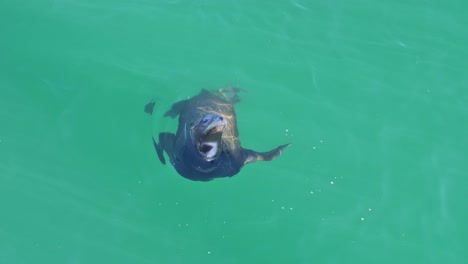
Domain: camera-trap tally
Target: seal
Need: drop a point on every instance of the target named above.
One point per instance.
(206, 144)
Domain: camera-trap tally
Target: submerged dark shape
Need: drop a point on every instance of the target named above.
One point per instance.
(149, 107)
(206, 144)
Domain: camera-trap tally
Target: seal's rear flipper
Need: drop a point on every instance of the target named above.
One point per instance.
(253, 156)
(231, 93)
(166, 143)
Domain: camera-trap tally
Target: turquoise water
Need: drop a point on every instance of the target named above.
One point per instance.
(371, 94)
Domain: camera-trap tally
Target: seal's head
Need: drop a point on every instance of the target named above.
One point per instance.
(206, 135)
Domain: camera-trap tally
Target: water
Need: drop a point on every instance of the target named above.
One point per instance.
(371, 94)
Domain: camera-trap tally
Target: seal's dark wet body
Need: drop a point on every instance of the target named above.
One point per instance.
(206, 143)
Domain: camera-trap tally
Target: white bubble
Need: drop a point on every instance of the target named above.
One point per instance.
(209, 252)
(362, 218)
(290, 208)
(332, 182)
(399, 42)
(370, 209)
(282, 207)
(311, 192)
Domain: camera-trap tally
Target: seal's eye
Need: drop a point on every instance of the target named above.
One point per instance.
(205, 120)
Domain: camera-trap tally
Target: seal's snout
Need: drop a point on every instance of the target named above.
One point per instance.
(212, 124)
(207, 136)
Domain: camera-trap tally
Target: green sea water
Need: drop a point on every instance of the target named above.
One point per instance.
(372, 95)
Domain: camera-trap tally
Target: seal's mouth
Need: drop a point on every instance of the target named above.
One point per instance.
(207, 136)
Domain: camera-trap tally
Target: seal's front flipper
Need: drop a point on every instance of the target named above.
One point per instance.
(253, 156)
(176, 109)
(166, 143)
